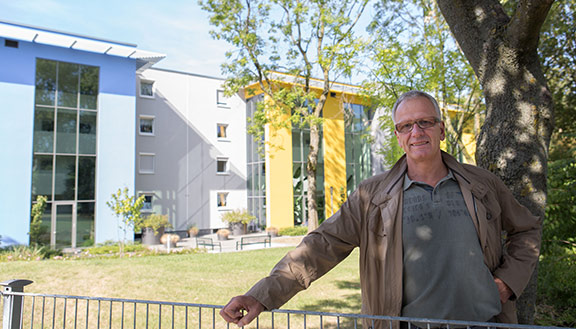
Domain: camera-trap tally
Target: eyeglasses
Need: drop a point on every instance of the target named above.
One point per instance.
(407, 126)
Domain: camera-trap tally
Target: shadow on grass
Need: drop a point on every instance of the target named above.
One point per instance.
(349, 303)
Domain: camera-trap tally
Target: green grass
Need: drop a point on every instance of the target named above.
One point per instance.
(192, 278)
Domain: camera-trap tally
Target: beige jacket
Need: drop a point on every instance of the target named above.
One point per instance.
(371, 219)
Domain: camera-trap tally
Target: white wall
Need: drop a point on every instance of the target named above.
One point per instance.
(186, 148)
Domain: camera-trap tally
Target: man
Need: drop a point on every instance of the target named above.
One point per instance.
(429, 232)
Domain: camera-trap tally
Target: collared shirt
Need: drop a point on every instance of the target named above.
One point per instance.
(444, 272)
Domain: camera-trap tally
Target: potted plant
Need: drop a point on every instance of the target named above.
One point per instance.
(193, 230)
(223, 234)
(238, 219)
(170, 239)
(153, 227)
(273, 231)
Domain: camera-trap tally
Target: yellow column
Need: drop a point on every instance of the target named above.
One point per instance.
(279, 192)
(334, 155)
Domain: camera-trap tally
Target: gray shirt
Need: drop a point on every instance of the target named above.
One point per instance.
(444, 272)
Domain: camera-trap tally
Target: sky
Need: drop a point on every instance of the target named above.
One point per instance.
(177, 28)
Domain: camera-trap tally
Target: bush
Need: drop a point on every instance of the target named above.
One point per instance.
(27, 253)
(114, 249)
(293, 231)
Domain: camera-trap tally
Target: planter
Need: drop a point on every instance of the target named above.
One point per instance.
(148, 236)
(238, 229)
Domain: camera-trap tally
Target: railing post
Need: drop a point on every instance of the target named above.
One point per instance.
(12, 318)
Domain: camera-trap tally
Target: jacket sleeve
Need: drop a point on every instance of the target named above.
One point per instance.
(317, 254)
(522, 246)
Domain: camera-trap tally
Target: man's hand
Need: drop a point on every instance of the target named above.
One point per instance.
(504, 290)
(232, 312)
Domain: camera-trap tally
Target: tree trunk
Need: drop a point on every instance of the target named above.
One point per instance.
(514, 139)
(311, 171)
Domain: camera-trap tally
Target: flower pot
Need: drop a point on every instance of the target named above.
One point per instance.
(238, 229)
(151, 238)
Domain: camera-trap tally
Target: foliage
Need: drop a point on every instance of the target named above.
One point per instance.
(238, 216)
(293, 231)
(28, 253)
(127, 207)
(302, 39)
(557, 269)
(413, 49)
(154, 221)
(113, 248)
(37, 230)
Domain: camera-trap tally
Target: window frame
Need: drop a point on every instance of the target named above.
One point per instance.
(146, 172)
(221, 99)
(146, 81)
(147, 117)
(151, 195)
(226, 201)
(226, 161)
(226, 137)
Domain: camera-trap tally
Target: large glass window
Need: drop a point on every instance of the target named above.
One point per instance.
(256, 169)
(64, 160)
(358, 165)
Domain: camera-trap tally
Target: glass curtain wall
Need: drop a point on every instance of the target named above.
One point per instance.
(64, 159)
(256, 170)
(358, 165)
(300, 150)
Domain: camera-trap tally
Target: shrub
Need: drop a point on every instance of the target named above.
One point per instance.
(293, 231)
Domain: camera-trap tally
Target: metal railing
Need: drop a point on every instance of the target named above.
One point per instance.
(25, 310)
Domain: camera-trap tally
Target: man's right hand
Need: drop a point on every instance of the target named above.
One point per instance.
(233, 311)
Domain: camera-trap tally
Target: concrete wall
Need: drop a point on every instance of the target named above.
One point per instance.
(185, 147)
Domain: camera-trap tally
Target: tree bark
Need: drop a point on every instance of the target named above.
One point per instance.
(514, 139)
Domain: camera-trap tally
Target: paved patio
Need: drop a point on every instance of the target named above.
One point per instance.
(230, 244)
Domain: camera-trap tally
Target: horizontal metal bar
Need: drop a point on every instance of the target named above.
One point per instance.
(306, 314)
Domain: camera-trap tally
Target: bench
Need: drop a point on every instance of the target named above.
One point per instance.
(255, 239)
(208, 242)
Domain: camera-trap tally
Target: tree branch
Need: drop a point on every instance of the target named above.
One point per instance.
(524, 28)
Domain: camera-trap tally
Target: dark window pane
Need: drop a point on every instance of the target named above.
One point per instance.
(45, 82)
(64, 182)
(86, 170)
(44, 130)
(66, 131)
(87, 131)
(42, 176)
(68, 84)
(64, 219)
(85, 224)
(89, 87)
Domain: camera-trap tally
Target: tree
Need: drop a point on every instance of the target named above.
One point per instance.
(501, 46)
(557, 268)
(301, 38)
(38, 231)
(127, 207)
(413, 49)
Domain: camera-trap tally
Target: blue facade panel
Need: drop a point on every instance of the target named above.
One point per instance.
(115, 136)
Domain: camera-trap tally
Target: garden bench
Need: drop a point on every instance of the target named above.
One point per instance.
(208, 242)
(264, 239)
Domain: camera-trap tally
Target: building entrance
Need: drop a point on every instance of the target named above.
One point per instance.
(63, 230)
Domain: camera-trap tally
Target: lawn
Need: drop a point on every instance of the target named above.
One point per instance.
(192, 278)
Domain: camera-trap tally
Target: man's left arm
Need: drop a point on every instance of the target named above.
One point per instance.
(522, 247)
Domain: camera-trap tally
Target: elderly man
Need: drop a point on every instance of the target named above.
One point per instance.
(429, 232)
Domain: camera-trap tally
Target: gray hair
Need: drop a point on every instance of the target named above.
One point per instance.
(415, 94)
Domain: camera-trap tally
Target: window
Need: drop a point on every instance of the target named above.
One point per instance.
(146, 125)
(146, 163)
(222, 131)
(221, 99)
(222, 165)
(147, 88)
(222, 199)
(147, 205)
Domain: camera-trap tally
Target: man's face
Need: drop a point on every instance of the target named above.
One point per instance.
(419, 144)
